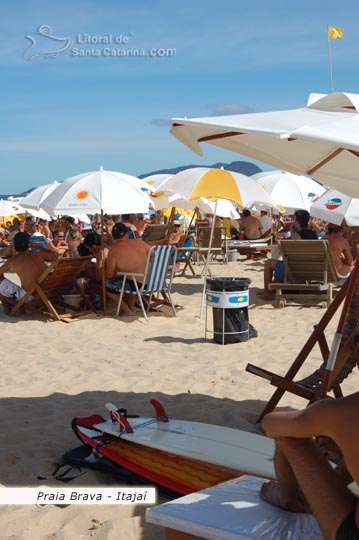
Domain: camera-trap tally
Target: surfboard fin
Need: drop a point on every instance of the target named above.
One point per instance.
(117, 416)
(160, 411)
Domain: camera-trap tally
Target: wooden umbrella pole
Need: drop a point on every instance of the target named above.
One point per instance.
(340, 328)
(103, 270)
(208, 259)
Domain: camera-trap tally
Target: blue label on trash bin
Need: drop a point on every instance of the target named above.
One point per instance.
(224, 299)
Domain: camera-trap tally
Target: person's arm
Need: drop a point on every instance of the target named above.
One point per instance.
(348, 258)
(110, 265)
(343, 474)
(5, 268)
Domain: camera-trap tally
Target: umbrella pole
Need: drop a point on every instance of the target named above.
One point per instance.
(338, 335)
(208, 259)
(103, 275)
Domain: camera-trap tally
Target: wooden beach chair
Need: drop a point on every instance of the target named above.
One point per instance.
(348, 357)
(309, 273)
(156, 279)
(155, 234)
(45, 296)
(218, 247)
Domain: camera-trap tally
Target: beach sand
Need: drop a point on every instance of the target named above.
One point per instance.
(52, 372)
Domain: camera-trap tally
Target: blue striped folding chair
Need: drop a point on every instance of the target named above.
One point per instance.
(157, 278)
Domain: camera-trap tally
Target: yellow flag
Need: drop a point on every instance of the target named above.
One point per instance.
(334, 32)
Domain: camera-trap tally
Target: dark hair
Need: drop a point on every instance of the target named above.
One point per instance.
(21, 241)
(332, 228)
(302, 216)
(246, 213)
(83, 250)
(119, 230)
(92, 239)
(126, 217)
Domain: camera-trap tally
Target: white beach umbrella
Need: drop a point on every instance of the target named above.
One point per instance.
(8, 207)
(290, 191)
(154, 180)
(33, 200)
(98, 191)
(320, 140)
(334, 207)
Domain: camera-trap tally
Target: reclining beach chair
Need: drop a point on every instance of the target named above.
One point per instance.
(219, 244)
(157, 278)
(47, 292)
(309, 273)
(155, 234)
(348, 357)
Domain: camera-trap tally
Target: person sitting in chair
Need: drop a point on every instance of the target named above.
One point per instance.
(126, 256)
(340, 249)
(250, 225)
(274, 268)
(306, 482)
(27, 264)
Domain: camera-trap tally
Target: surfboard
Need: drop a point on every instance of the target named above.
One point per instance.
(178, 454)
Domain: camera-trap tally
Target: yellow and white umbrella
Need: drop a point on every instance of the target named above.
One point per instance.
(217, 184)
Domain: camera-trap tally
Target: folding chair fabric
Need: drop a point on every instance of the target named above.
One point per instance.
(160, 262)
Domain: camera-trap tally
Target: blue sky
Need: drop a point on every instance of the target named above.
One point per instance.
(70, 114)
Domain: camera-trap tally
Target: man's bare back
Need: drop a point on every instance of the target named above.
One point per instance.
(251, 226)
(127, 256)
(341, 252)
(27, 264)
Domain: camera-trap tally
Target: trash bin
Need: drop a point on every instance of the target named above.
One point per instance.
(229, 299)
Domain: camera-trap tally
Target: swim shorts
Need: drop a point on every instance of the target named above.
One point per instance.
(279, 271)
(348, 530)
(11, 290)
(114, 285)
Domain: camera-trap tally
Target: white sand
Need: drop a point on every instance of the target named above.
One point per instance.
(52, 371)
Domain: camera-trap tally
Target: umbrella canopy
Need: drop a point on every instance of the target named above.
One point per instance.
(34, 199)
(290, 191)
(333, 206)
(219, 184)
(108, 191)
(225, 208)
(8, 208)
(320, 140)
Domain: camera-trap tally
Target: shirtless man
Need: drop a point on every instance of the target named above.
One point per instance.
(340, 250)
(251, 226)
(304, 476)
(125, 255)
(27, 264)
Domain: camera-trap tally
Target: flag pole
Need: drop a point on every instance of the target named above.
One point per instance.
(330, 61)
